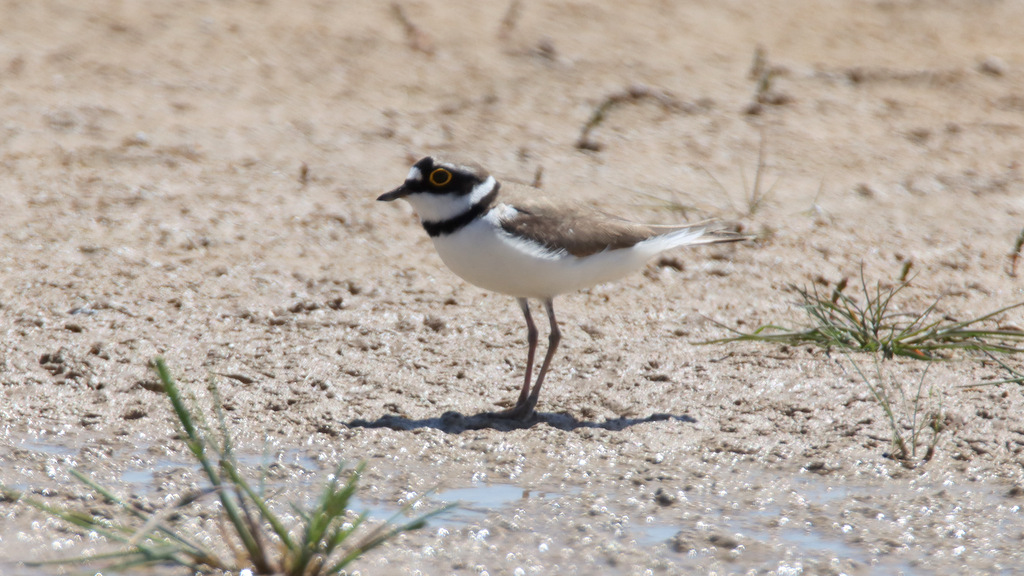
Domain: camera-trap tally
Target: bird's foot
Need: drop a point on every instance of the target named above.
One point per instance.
(521, 411)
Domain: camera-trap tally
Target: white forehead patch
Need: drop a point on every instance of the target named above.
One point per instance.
(460, 168)
(414, 174)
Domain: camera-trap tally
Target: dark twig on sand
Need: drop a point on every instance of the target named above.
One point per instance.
(763, 73)
(634, 93)
(417, 39)
(510, 19)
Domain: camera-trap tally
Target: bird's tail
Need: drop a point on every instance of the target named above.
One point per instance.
(710, 232)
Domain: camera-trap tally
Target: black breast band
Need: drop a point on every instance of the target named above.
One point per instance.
(451, 225)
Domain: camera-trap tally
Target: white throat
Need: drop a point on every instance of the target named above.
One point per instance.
(441, 207)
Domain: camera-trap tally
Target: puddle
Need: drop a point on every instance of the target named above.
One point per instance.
(814, 540)
(47, 448)
(656, 533)
(287, 457)
(484, 497)
(476, 502)
(756, 505)
(762, 528)
(143, 479)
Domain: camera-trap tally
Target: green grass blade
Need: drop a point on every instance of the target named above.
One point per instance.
(193, 548)
(1016, 376)
(331, 506)
(197, 445)
(102, 526)
(138, 554)
(341, 534)
(382, 535)
(261, 504)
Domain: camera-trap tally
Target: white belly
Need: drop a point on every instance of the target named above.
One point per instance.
(484, 255)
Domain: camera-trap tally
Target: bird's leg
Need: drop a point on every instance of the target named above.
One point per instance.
(531, 341)
(553, 338)
(523, 408)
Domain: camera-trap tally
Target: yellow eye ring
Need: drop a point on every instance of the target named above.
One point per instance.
(440, 177)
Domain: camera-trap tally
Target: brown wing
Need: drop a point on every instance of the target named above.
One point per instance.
(574, 229)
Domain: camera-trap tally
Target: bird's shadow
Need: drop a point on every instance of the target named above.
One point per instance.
(456, 423)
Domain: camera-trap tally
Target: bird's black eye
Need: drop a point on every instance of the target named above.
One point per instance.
(440, 177)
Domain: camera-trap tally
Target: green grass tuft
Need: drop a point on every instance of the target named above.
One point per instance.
(257, 539)
(915, 416)
(870, 322)
(873, 325)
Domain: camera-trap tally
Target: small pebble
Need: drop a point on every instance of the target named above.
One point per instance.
(992, 66)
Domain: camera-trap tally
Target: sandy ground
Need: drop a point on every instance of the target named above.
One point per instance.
(197, 180)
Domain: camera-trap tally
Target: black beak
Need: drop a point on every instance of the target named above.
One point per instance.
(395, 194)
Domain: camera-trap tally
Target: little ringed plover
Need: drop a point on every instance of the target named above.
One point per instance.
(534, 248)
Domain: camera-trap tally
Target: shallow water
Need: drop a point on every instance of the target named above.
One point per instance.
(746, 516)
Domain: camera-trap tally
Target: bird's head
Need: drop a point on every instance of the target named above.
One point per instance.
(441, 190)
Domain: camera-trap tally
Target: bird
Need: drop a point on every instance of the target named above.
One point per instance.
(533, 247)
